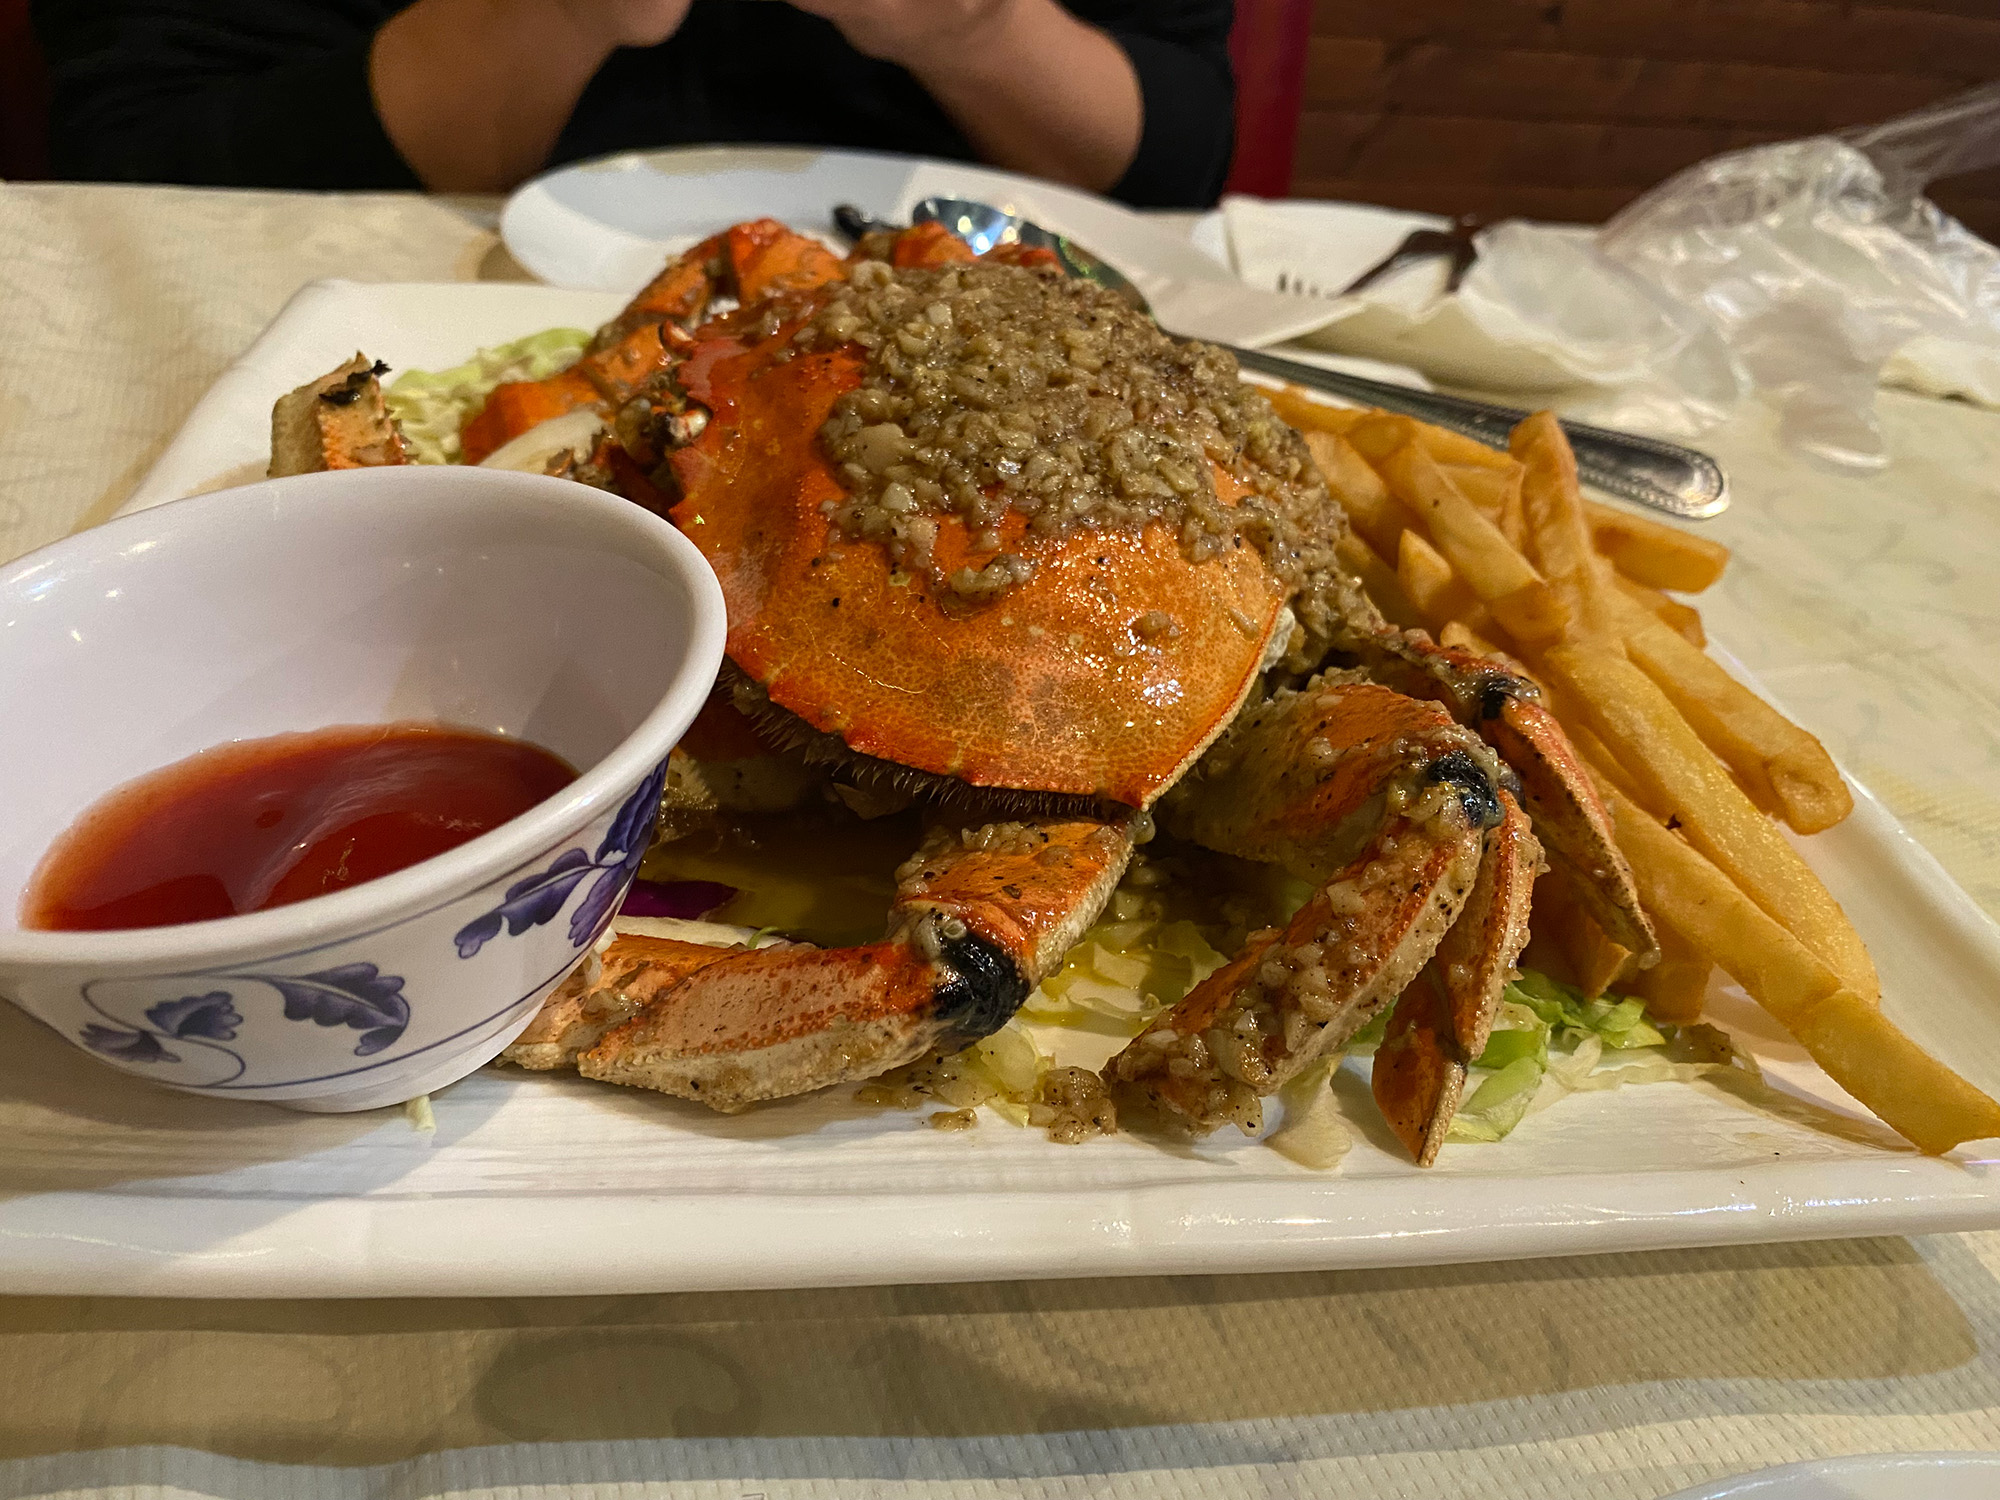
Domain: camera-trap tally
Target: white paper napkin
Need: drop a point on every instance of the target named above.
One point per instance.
(1540, 315)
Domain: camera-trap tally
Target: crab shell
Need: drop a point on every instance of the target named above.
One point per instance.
(1052, 688)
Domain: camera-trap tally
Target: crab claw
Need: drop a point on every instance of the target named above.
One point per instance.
(982, 915)
(1555, 790)
(1391, 811)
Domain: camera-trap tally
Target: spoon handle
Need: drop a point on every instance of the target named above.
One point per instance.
(1666, 476)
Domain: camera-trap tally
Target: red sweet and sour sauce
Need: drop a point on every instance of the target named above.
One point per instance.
(261, 823)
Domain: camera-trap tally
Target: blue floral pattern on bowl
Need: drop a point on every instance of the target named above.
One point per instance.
(357, 995)
(531, 902)
(225, 1028)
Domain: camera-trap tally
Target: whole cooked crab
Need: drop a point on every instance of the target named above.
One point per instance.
(989, 538)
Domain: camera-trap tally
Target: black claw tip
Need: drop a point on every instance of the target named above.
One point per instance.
(1475, 790)
(983, 990)
(1494, 694)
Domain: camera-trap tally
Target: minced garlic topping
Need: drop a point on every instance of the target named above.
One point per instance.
(991, 388)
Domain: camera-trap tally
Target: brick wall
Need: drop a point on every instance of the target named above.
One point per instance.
(1567, 109)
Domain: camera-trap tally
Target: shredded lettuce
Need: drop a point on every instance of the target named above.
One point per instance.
(1617, 1023)
(1122, 974)
(431, 406)
(1500, 1102)
(1314, 1133)
(1013, 1064)
(1549, 1041)
(1003, 1071)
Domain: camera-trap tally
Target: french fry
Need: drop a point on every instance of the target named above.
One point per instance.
(1380, 582)
(1497, 494)
(1353, 482)
(1380, 433)
(1485, 488)
(1683, 619)
(1504, 581)
(1786, 771)
(1676, 987)
(1449, 447)
(1859, 1047)
(1462, 637)
(1513, 509)
(1677, 775)
(1559, 534)
(1310, 414)
(1439, 595)
(1654, 553)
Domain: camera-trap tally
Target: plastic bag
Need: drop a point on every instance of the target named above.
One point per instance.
(1819, 262)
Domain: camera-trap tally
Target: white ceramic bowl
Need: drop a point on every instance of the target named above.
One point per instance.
(510, 603)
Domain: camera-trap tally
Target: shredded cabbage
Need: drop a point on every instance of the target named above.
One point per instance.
(1003, 1071)
(1122, 974)
(1314, 1133)
(1549, 1041)
(430, 407)
(1617, 1023)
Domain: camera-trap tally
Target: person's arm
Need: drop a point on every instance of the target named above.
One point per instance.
(1033, 88)
(474, 92)
(1180, 49)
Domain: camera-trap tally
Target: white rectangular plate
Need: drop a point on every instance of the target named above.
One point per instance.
(546, 1184)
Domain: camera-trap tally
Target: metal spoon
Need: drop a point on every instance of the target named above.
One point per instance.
(982, 227)
(1666, 476)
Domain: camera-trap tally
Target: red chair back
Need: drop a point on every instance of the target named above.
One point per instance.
(1268, 46)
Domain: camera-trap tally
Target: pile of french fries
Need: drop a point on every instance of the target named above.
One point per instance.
(1501, 554)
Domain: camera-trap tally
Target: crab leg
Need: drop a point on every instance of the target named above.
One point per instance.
(981, 916)
(1385, 805)
(633, 972)
(1442, 1021)
(1574, 826)
(1419, 1072)
(1556, 792)
(338, 421)
(750, 262)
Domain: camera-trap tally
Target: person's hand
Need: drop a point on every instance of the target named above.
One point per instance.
(627, 23)
(915, 33)
(474, 93)
(1034, 88)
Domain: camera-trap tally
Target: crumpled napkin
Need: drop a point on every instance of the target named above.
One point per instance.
(1541, 314)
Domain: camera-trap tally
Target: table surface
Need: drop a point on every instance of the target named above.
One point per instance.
(1869, 604)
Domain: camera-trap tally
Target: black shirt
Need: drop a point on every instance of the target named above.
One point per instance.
(274, 93)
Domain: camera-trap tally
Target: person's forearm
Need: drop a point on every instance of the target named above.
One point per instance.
(474, 92)
(1043, 93)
